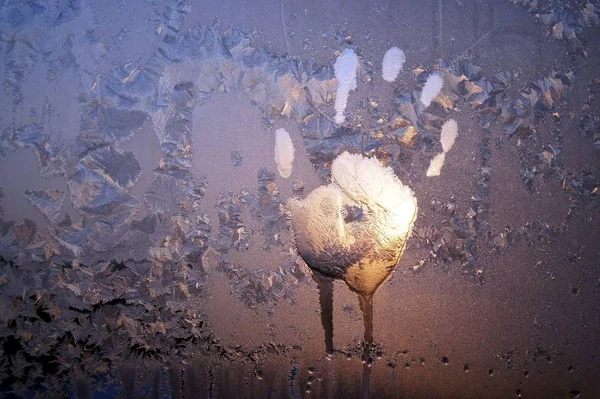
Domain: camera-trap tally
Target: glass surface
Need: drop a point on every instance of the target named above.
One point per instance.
(153, 156)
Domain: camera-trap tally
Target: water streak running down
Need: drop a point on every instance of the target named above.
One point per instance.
(366, 306)
(325, 285)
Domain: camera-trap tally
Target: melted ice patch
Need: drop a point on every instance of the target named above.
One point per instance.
(345, 73)
(431, 89)
(447, 139)
(393, 60)
(284, 152)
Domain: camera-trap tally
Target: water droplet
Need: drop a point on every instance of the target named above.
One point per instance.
(406, 365)
(491, 372)
(308, 388)
(310, 379)
(311, 370)
(518, 393)
(549, 359)
(348, 356)
(570, 369)
(379, 354)
(445, 360)
(259, 374)
(466, 368)
(422, 361)
(526, 373)
(575, 290)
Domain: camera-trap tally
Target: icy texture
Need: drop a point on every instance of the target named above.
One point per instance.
(432, 88)
(49, 202)
(236, 158)
(95, 194)
(106, 125)
(120, 168)
(393, 60)
(284, 152)
(345, 73)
